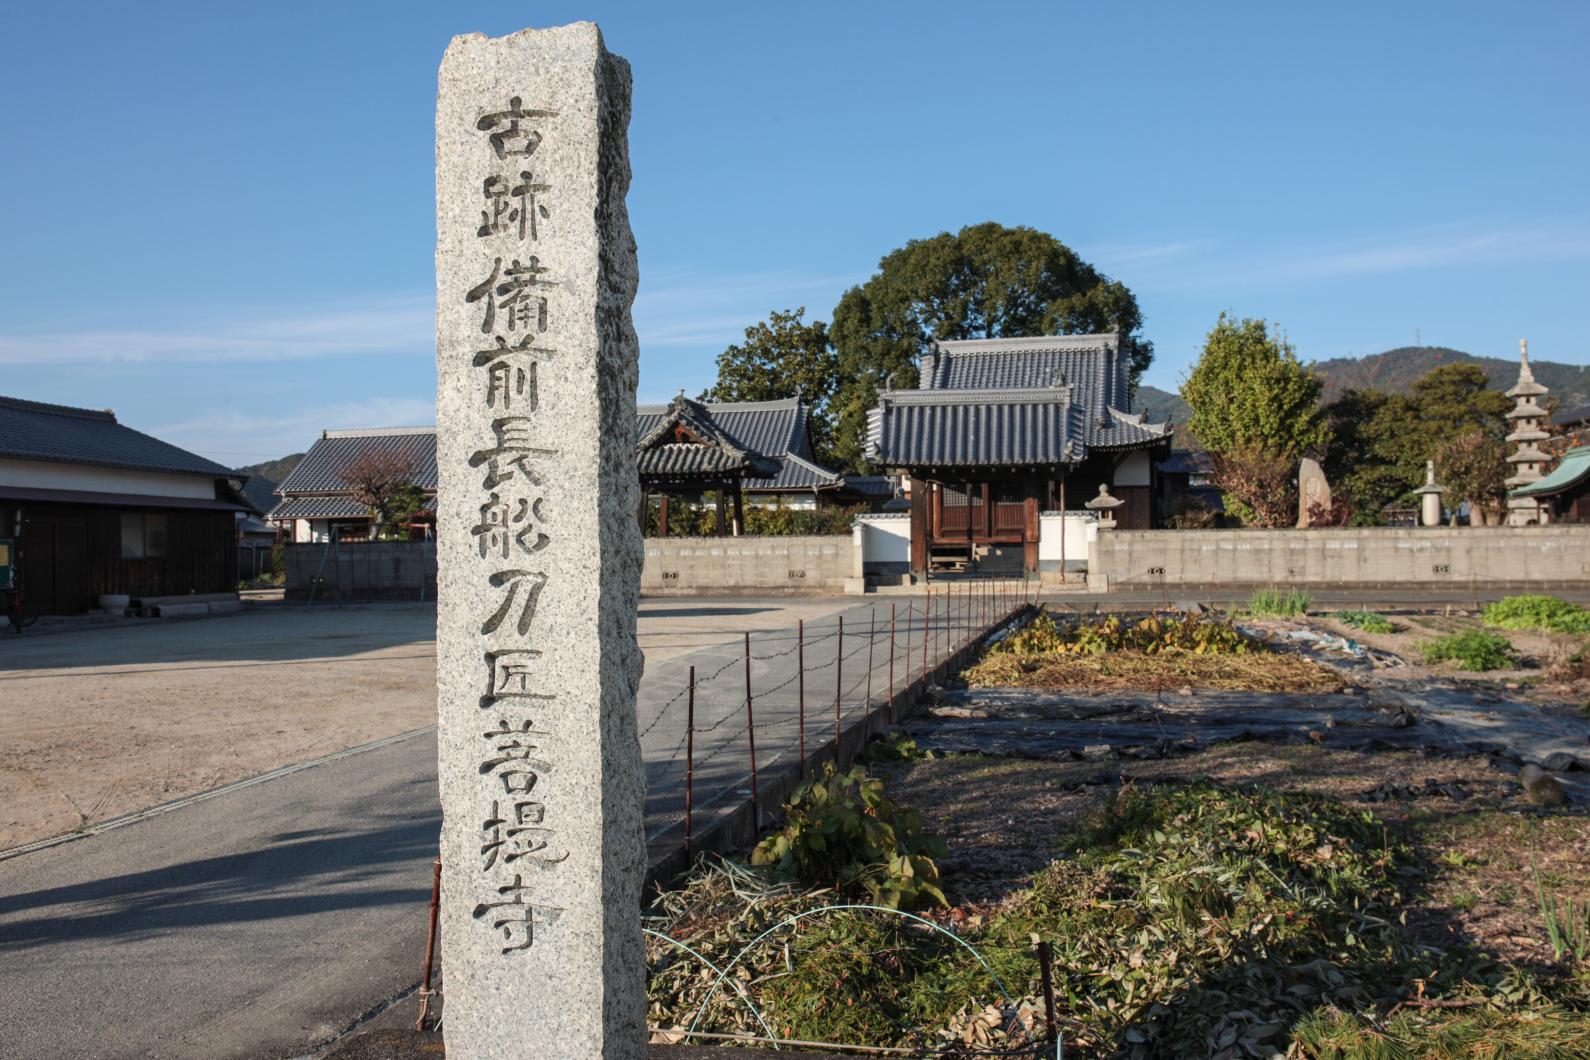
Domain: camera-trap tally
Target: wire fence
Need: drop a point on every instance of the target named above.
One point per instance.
(716, 723)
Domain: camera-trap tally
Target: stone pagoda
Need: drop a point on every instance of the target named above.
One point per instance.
(1528, 420)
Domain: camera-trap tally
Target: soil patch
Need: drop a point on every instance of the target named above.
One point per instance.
(1478, 836)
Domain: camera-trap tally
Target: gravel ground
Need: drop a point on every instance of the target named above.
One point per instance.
(106, 720)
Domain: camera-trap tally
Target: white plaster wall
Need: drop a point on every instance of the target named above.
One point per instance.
(1133, 471)
(1078, 529)
(885, 538)
(87, 478)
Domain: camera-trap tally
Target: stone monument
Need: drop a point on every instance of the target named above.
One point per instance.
(1429, 497)
(539, 554)
(1313, 491)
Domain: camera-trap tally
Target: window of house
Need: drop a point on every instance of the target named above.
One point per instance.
(143, 535)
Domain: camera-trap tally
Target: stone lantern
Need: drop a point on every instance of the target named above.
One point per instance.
(1105, 505)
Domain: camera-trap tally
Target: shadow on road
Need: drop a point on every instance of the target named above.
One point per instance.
(293, 874)
(701, 612)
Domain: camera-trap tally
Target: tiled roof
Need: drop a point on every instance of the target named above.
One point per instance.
(1122, 430)
(870, 485)
(687, 459)
(965, 428)
(795, 473)
(260, 493)
(1575, 468)
(32, 430)
(775, 430)
(321, 506)
(1093, 366)
(771, 428)
(1187, 462)
(989, 402)
(1568, 417)
(320, 469)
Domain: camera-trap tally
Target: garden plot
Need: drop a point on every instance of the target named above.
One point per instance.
(1159, 686)
(1352, 867)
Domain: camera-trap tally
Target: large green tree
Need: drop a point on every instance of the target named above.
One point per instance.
(782, 357)
(1255, 407)
(1380, 442)
(985, 281)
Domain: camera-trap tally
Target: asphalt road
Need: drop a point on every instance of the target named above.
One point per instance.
(262, 921)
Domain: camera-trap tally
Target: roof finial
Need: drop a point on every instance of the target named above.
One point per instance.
(1523, 350)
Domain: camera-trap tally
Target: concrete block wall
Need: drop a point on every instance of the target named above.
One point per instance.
(361, 570)
(691, 565)
(1433, 557)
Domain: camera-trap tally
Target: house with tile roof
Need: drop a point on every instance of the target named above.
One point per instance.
(95, 508)
(316, 499)
(756, 450)
(999, 429)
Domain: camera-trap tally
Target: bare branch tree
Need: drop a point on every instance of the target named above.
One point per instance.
(375, 477)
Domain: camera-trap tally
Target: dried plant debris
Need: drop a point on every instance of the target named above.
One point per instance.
(1187, 919)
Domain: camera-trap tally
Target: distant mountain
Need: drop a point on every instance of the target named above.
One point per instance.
(1161, 405)
(1395, 372)
(276, 470)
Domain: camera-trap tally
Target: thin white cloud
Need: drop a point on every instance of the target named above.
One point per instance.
(247, 436)
(715, 311)
(1283, 262)
(1444, 247)
(374, 327)
(1114, 257)
(677, 312)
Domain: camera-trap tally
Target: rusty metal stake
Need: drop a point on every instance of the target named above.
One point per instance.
(800, 685)
(1046, 971)
(927, 626)
(893, 648)
(426, 993)
(872, 640)
(750, 734)
(690, 757)
(839, 685)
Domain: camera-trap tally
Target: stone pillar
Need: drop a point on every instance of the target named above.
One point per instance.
(540, 556)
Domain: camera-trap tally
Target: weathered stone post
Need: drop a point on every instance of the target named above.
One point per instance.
(539, 553)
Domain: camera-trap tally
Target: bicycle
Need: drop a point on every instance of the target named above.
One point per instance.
(19, 616)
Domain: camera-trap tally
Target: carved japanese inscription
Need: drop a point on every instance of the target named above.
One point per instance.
(538, 551)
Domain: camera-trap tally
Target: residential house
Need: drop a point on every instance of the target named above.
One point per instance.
(95, 508)
(316, 499)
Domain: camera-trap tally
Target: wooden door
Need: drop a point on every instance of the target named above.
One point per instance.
(54, 564)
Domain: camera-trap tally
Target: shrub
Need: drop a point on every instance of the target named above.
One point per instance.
(841, 831)
(1368, 621)
(1475, 650)
(1151, 635)
(1278, 603)
(1534, 611)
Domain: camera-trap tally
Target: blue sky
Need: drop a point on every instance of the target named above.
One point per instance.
(217, 218)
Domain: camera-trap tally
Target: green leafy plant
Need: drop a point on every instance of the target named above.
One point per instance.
(1567, 923)
(1536, 611)
(1368, 621)
(842, 831)
(1278, 603)
(1153, 635)
(895, 747)
(1476, 650)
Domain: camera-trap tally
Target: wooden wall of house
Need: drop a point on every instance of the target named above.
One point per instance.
(70, 554)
